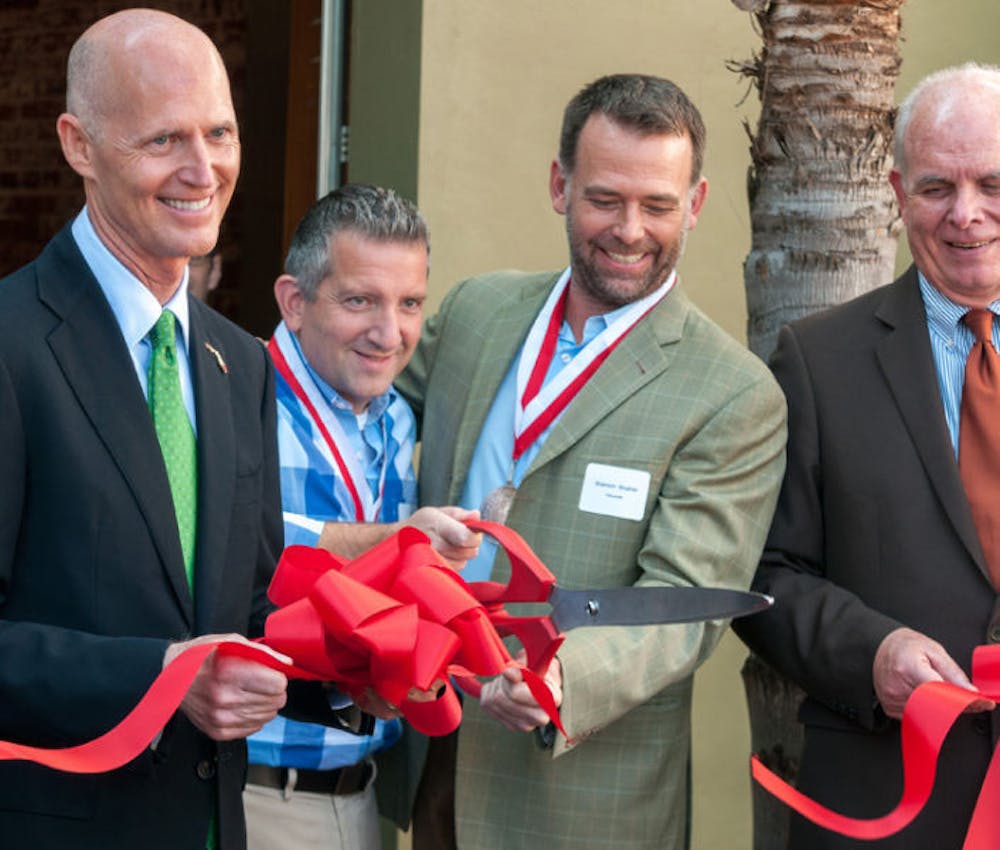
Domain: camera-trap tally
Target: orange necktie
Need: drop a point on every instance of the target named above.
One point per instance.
(979, 437)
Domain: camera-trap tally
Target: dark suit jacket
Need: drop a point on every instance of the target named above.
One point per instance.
(92, 582)
(872, 532)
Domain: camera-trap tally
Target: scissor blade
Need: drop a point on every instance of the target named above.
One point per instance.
(643, 606)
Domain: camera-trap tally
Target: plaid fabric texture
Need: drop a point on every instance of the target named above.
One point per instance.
(313, 492)
(677, 399)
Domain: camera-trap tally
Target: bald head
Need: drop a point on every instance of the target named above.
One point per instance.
(939, 96)
(150, 127)
(124, 46)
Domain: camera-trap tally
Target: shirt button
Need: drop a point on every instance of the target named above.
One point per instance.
(205, 769)
(995, 634)
(565, 357)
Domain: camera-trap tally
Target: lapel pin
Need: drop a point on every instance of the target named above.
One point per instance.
(218, 358)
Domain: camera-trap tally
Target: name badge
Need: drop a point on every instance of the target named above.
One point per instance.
(614, 491)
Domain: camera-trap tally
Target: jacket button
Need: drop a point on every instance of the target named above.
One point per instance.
(205, 769)
(981, 725)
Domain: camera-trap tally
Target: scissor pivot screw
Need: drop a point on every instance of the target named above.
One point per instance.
(593, 607)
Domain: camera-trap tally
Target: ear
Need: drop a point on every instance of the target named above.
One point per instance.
(291, 301)
(696, 200)
(557, 187)
(896, 179)
(76, 145)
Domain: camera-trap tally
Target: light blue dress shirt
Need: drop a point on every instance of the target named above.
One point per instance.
(492, 463)
(136, 308)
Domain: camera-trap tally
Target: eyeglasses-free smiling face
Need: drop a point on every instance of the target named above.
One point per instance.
(360, 330)
(949, 192)
(629, 205)
(159, 154)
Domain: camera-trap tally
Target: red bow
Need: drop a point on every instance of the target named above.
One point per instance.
(930, 712)
(398, 618)
(393, 619)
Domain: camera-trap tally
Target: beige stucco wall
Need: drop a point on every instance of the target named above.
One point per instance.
(494, 79)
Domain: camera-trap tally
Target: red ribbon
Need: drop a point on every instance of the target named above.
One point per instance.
(393, 619)
(928, 716)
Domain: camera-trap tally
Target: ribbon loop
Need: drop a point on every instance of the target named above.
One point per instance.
(398, 617)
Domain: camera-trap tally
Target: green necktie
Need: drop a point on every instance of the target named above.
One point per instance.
(174, 431)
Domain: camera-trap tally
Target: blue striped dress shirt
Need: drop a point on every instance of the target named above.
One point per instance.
(951, 342)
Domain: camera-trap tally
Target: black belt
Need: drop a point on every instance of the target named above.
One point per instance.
(341, 780)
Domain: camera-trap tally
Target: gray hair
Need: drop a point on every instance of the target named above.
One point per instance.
(947, 79)
(80, 81)
(649, 105)
(369, 211)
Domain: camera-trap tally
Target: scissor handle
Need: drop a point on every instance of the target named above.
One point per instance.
(538, 635)
(530, 579)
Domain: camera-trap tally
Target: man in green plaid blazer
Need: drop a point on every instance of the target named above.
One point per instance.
(679, 419)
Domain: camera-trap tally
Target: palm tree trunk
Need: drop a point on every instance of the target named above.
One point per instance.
(825, 226)
(824, 219)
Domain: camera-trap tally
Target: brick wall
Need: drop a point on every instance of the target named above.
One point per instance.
(38, 191)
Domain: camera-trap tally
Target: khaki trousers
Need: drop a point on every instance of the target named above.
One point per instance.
(300, 820)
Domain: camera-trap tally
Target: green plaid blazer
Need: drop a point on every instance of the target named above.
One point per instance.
(677, 398)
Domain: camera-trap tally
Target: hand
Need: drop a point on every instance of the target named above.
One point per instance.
(371, 702)
(455, 543)
(906, 659)
(507, 699)
(230, 697)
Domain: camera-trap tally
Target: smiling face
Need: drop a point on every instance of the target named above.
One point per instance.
(162, 154)
(629, 205)
(360, 330)
(949, 191)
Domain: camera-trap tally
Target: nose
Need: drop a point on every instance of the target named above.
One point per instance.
(630, 227)
(967, 207)
(385, 332)
(198, 169)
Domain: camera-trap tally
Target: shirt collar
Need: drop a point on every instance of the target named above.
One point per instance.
(593, 326)
(134, 306)
(943, 314)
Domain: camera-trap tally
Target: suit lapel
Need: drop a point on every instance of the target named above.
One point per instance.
(639, 358)
(104, 382)
(503, 335)
(908, 365)
(216, 461)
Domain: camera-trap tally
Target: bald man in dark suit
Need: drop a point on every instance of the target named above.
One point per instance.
(102, 579)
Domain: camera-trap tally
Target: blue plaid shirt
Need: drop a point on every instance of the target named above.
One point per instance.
(313, 492)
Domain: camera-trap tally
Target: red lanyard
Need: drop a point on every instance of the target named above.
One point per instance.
(527, 437)
(283, 369)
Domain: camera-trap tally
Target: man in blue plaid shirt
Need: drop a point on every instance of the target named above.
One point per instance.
(351, 301)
